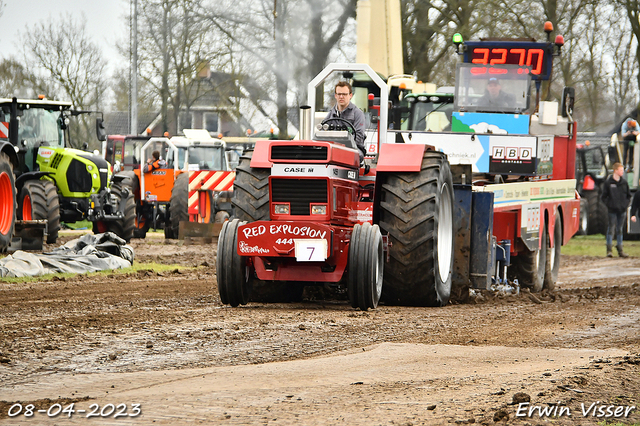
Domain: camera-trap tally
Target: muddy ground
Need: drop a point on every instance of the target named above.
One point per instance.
(164, 341)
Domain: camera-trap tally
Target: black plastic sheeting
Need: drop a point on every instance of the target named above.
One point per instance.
(89, 253)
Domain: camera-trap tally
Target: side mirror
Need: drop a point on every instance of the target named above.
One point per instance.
(101, 133)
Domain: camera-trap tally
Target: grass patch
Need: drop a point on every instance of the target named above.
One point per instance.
(595, 245)
(156, 267)
(83, 224)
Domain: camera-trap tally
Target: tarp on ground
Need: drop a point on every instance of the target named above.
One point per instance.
(89, 253)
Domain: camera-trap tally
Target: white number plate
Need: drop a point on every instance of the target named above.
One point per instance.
(311, 250)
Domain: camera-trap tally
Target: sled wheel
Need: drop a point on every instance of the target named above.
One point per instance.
(529, 265)
(583, 227)
(553, 256)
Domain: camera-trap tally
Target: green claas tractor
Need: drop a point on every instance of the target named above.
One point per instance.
(54, 182)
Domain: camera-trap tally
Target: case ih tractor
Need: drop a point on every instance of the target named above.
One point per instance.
(194, 184)
(436, 213)
(53, 182)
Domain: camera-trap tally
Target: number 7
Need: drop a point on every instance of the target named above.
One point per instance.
(312, 249)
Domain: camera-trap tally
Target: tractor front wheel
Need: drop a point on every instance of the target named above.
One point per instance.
(125, 226)
(39, 201)
(179, 206)
(234, 279)
(366, 267)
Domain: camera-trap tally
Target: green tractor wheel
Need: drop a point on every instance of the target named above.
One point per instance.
(39, 201)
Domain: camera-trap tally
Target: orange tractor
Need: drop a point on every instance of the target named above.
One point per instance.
(193, 182)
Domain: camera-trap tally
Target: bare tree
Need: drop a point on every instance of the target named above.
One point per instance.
(175, 42)
(69, 62)
(283, 42)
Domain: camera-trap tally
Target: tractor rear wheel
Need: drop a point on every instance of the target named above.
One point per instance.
(124, 227)
(7, 202)
(250, 191)
(39, 201)
(234, 279)
(529, 266)
(178, 206)
(366, 267)
(416, 210)
(598, 213)
(553, 256)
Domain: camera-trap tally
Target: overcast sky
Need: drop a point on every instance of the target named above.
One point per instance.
(105, 21)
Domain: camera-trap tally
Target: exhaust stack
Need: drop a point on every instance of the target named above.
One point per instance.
(305, 122)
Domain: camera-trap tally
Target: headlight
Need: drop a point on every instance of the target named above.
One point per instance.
(281, 208)
(318, 209)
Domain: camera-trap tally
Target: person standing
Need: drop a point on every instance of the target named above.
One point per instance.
(629, 132)
(346, 110)
(616, 195)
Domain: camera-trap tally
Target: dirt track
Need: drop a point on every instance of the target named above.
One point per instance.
(164, 341)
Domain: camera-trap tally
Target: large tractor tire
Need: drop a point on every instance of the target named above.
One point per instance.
(234, 279)
(178, 206)
(366, 267)
(552, 266)
(529, 266)
(124, 227)
(416, 210)
(8, 206)
(583, 226)
(39, 201)
(250, 191)
(598, 213)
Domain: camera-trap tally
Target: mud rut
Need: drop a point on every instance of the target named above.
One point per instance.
(164, 340)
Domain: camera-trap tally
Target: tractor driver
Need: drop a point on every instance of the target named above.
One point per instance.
(346, 110)
(154, 162)
(496, 97)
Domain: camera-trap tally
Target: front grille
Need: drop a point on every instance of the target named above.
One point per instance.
(299, 193)
(298, 152)
(55, 162)
(78, 178)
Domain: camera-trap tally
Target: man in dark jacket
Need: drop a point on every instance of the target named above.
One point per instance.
(616, 195)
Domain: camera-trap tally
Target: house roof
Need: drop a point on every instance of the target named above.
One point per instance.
(117, 123)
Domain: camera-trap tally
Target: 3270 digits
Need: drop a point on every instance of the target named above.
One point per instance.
(95, 410)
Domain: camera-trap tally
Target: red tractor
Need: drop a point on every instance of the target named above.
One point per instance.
(309, 213)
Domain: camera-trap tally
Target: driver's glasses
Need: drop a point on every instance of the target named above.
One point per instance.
(342, 94)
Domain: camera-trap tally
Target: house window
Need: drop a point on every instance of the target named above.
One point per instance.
(210, 121)
(185, 121)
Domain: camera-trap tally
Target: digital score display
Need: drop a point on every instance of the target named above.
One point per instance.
(538, 56)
